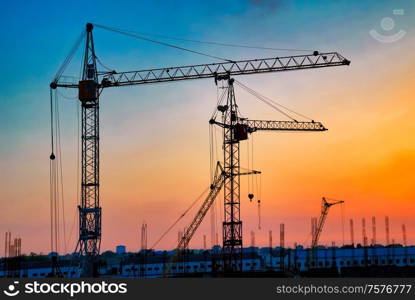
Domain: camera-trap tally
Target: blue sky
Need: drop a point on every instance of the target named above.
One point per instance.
(37, 35)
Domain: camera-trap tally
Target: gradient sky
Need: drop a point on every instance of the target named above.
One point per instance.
(155, 139)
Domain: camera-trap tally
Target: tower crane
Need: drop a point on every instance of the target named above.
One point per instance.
(236, 129)
(325, 206)
(90, 87)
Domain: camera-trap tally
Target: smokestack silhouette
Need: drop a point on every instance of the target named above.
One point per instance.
(204, 242)
(404, 235)
(15, 247)
(364, 236)
(387, 230)
(351, 232)
(270, 238)
(373, 231)
(282, 235)
(144, 236)
(5, 245)
(8, 245)
(12, 250)
(19, 244)
(252, 238)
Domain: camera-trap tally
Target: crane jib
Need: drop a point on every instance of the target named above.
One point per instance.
(214, 70)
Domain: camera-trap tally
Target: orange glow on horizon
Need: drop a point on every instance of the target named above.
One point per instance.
(156, 161)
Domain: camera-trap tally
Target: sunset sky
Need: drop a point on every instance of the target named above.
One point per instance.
(155, 138)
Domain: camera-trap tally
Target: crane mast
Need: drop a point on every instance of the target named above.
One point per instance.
(232, 223)
(94, 81)
(89, 208)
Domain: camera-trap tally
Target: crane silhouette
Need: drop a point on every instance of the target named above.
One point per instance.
(94, 81)
(325, 206)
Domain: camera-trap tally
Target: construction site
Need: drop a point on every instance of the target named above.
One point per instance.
(365, 250)
(357, 258)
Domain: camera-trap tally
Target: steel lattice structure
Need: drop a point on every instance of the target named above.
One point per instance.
(90, 87)
(232, 223)
(235, 130)
(215, 188)
(258, 125)
(89, 209)
(242, 67)
(325, 206)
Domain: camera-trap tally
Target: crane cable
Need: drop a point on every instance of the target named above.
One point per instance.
(53, 177)
(140, 35)
(56, 181)
(252, 163)
(255, 185)
(104, 66)
(57, 164)
(60, 175)
(248, 177)
(219, 43)
(343, 219)
(212, 135)
(69, 57)
(66, 97)
(179, 218)
(271, 102)
(259, 192)
(219, 102)
(217, 203)
(51, 169)
(78, 193)
(160, 42)
(210, 152)
(213, 158)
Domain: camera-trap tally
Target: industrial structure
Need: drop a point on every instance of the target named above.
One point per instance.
(364, 236)
(405, 241)
(387, 232)
(387, 260)
(374, 231)
(351, 232)
(317, 227)
(144, 236)
(235, 129)
(12, 247)
(12, 255)
(347, 261)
